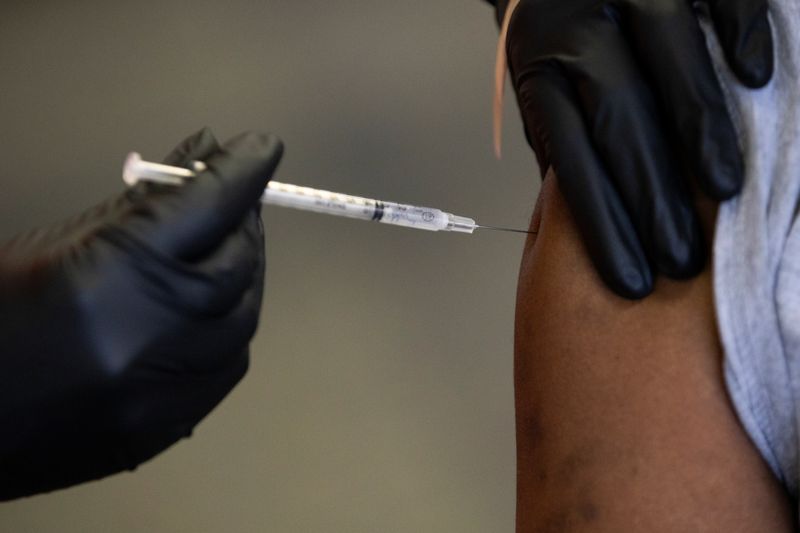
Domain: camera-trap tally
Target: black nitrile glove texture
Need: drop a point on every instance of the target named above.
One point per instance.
(620, 98)
(122, 328)
(500, 9)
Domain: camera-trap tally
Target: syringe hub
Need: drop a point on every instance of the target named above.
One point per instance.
(460, 224)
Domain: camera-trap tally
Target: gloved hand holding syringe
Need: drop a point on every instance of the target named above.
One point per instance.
(318, 201)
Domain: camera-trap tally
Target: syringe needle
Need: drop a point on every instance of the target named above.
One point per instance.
(495, 228)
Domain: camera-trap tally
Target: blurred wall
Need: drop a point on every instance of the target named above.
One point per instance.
(380, 392)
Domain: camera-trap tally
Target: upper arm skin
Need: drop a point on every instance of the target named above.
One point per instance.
(623, 422)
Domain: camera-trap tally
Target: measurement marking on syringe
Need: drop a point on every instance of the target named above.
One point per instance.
(330, 204)
(379, 210)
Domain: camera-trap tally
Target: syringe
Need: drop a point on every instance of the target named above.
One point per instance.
(318, 201)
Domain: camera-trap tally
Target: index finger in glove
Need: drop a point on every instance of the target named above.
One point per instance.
(744, 31)
(671, 49)
(549, 107)
(628, 134)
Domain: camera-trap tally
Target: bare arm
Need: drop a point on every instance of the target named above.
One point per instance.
(623, 422)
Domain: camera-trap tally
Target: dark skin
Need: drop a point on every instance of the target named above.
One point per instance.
(623, 421)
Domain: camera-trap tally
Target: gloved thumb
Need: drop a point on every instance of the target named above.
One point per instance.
(197, 147)
(744, 31)
(192, 220)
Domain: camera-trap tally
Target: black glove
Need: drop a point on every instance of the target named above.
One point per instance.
(621, 99)
(122, 328)
(500, 9)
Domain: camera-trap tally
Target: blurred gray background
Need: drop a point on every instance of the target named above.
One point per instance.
(380, 393)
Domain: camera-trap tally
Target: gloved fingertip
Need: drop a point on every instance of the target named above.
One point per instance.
(257, 152)
(684, 259)
(199, 215)
(688, 269)
(630, 282)
(203, 133)
(241, 170)
(256, 146)
(746, 36)
(248, 161)
(755, 61)
(727, 176)
(624, 269)
(196, 147)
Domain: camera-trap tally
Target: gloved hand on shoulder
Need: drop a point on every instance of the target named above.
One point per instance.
(621, 99)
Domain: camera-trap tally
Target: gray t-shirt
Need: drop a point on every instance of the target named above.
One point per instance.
(757, 253)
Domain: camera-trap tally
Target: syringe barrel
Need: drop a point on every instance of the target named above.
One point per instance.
(308, 199)
(412, 216)
(332, 203)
